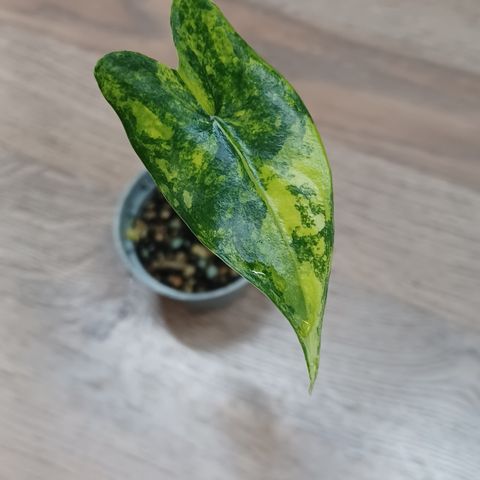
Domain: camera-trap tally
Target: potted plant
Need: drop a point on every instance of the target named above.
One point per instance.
(234, 151)
(161, 251)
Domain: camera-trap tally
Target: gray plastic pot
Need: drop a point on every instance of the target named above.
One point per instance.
(129, 207)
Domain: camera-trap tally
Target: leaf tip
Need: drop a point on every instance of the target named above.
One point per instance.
(312, 374)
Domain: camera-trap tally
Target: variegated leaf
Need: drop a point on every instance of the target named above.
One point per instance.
(234, 150)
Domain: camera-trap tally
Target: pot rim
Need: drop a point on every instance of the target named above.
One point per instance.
(127, 253)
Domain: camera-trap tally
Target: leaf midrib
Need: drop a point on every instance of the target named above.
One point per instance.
(224, 129)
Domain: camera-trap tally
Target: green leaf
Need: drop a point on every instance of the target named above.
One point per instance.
(235, 152)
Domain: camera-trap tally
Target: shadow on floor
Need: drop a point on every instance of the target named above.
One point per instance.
(214, 328)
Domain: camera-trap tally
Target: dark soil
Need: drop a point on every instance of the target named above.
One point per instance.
(169, 251)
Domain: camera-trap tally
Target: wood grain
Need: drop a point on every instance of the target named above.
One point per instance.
(440, 31)
(102, 380)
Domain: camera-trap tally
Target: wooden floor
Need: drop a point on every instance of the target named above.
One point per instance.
(101, 380)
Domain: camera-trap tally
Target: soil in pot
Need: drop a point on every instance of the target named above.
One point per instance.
(169, 251)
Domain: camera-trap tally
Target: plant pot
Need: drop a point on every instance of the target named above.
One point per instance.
(130, 206)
